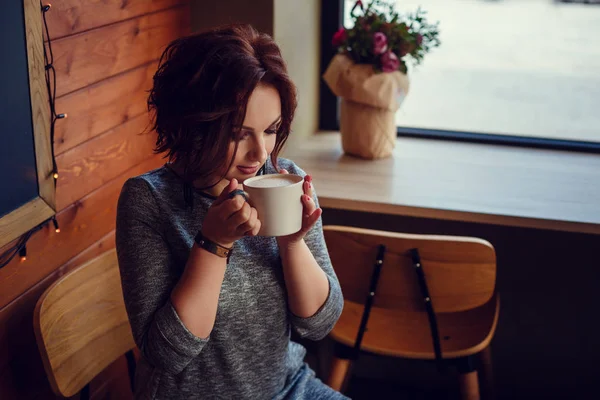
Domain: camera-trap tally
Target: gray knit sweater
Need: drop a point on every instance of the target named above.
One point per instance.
(249, 354)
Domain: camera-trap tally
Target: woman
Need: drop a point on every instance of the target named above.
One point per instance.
(212, 305)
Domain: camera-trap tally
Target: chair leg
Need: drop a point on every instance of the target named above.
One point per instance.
(469, 387)
(485, 372)
(467, 376)
(85, 393)
(339, 373)
(131, 364)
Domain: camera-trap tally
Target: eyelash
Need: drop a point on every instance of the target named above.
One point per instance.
(268, 132)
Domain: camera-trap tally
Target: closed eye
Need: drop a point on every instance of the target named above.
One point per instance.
(274, 128)
(244, 135)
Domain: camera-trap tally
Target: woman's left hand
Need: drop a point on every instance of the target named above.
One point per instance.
(310, 215)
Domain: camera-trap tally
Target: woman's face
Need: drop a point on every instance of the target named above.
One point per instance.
(258, 133)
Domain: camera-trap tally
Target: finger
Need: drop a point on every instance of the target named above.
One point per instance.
(247, 227)
(233, 184)
(283, 171)
(307, 188)
(231, 206)
(311, 219)
(240, 217)
(256, 228)
(238, 192)
(309, 204)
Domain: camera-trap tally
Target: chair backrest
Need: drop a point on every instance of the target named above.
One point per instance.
(460, 271)
(81, 324)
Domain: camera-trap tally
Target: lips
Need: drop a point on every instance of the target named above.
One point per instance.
(247, 170)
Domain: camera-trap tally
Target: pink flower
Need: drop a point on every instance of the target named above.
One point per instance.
(339, 37)
(419, 39)
(379, 43)
(389, 61)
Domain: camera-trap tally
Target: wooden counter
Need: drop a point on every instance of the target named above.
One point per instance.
(471, 182)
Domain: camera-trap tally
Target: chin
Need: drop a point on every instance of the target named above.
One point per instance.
(240, 177)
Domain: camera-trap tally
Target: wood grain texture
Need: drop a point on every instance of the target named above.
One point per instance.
(407, 334)
(470, 182)
(460, 274)
(42, 207)
(68, 17)
(460, 271)
(21, 366)
(102, 106)
(81, 324)
(82, 224)
(21, 220)
(112, 382)
(88, 166)
(89, 57)
(105, 51)
(40, 109)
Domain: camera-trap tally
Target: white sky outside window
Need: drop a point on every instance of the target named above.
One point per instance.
(516, 67)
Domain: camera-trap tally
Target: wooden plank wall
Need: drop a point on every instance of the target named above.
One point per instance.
(105, 55)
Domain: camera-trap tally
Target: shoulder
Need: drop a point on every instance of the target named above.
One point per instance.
(157, 180)
(142, 190)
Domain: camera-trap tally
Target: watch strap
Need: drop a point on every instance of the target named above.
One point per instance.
(212, 247)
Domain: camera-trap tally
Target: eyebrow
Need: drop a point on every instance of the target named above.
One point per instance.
(278, 119)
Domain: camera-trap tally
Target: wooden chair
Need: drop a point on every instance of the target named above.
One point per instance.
(81, 326)
(415, 296)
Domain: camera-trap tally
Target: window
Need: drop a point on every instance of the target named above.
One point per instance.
(513, 72)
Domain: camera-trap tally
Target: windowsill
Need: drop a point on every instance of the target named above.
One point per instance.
(504, 185)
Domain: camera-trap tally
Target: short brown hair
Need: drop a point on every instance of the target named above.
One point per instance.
(201, 89)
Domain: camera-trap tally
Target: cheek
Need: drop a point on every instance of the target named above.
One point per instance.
(270, 143)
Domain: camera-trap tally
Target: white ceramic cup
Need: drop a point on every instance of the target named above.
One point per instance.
(278, 202)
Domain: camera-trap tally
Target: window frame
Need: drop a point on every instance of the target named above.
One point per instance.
(332, 17)
(43, 206)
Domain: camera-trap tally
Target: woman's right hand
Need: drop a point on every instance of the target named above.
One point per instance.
(228, 220)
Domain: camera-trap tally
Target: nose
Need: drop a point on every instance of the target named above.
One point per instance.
(258, 153)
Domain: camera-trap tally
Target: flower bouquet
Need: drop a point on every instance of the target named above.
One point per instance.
(369, 73)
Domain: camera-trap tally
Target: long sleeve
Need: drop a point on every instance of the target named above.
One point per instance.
(317, 326)
(144, 262)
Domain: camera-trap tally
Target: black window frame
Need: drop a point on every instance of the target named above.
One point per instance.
(332, 17)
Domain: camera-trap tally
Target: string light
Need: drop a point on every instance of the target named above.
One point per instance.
(51, 77)
(20, 247)
(55, 222)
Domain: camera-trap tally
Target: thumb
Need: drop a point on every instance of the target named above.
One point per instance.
(233, 184)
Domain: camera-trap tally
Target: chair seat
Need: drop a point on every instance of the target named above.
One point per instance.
(407, 334)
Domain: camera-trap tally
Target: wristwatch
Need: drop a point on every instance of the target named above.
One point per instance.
(212, 247)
